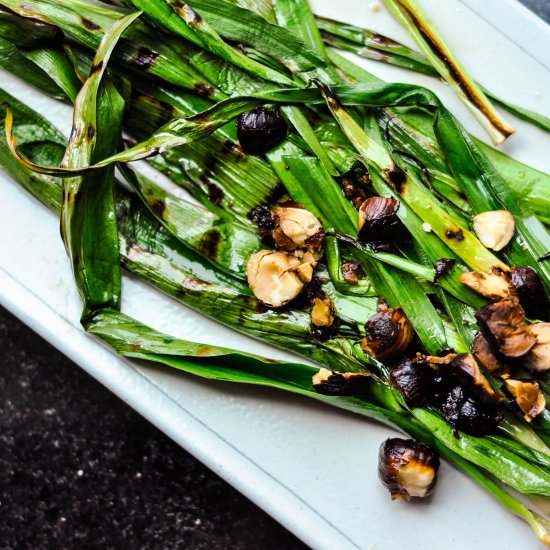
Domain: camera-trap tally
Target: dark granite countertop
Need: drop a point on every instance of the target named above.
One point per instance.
(80, 469)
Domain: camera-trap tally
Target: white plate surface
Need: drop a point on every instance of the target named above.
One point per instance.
(311, 467)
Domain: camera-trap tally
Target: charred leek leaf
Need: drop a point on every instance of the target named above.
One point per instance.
(226, 243)
(371, 45)
(186, 22)
(503, 464)
(422, 30)
(142, 49)
(88, 216)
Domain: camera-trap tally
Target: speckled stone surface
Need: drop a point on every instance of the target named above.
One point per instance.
(79, 469)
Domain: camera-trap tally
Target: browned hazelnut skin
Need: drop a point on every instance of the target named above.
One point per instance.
(260, 129)
(396, 455)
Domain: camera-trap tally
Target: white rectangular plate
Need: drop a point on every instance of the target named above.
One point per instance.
(311, 467)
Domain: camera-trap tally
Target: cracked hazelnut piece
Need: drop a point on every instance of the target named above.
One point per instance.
(538, 359)
(272, 277)
(494, 228)
(413, 380)
(484, 354)
(296, 228)
(378, 220)
(407, 468)
(468, 374)
(322, 312)
(491, 285)
(387, 334)
(503, 325)
(330, 382)
(528, 396)
(530, 291)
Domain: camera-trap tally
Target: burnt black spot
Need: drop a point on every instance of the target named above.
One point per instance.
(158, 208)
(382, 40)
(397, 177)
(145, 58)
(329, 96)
(74, 133)
(210, 243)
(215, 194)
(192, 15)
(326, 333)
(90, 25)
(96, 68)
(275, 193)
(91, 133)
(458, 235)
(154, 150)
(231, 148)
(313, 290)
(443, 266)
(203, 89)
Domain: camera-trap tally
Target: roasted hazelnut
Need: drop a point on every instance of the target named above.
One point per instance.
(494, 229)
(503, 325)
(330, 382)
(494, 286)
(295, 227)
(466, 371)
(378, 220)
(528, 396)
(484, 354)
(530, 292)
(413, 380)
(260, 130)
(469, 414)
(387, 334)
(407, 468)
(538, 358)
(272, 277)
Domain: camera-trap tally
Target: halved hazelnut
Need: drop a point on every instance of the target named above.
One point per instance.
(528, 396)
(387, 334)
(538, 359)
(494, 228)
(484, 354)
(493, 285)
(407, 468)
(503, 325)
(294, 227)
(272, 277)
